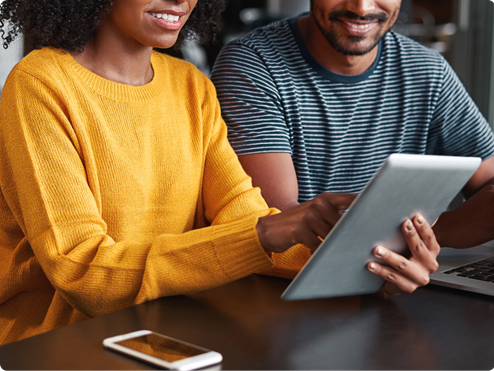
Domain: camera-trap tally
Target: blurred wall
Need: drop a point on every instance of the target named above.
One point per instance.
(9, 58)
(287, 7)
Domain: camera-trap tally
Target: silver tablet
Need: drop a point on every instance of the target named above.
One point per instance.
(404, 186)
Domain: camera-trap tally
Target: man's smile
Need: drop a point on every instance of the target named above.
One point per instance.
(355, 28)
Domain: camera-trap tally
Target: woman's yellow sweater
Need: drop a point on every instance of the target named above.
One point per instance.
(112, 195)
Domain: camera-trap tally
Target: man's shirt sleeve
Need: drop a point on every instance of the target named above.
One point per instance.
(250, 102)
(458, 128)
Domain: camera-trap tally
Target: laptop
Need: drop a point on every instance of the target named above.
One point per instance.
(404, 186)
(466, 269)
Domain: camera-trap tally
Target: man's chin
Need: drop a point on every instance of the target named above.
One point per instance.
(354, 45)
(353, 50)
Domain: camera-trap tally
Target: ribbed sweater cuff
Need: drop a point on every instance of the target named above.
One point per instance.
(238, 248)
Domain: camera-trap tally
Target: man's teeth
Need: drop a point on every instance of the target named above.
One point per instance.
(358, 26)
(166, 17)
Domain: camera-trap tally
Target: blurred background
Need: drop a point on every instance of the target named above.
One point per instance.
(462, 30)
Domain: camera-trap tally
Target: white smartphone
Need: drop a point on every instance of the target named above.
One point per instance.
(162, 350)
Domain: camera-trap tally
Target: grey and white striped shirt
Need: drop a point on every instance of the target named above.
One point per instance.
(276, 97)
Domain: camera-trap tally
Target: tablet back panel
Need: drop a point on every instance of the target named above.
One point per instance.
(404, 186)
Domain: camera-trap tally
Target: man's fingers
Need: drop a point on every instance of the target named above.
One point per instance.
(426, 234)
(396, 283)
(404, 275)
(423, 252)
(400, 266)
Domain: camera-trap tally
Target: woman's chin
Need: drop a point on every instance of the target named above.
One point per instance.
(165, 44)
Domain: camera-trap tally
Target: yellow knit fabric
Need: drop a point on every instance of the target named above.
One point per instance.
(112, 195)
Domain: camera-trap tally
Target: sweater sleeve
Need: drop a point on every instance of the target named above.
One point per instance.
(232, 196)
(43, 180)
(286, 264)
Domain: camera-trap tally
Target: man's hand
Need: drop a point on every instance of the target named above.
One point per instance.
(404, 275)
(305, 223)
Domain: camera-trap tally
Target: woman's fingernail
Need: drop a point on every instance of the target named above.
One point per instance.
(408, 226)
(420, 219)
(372, 266)
(378, 252)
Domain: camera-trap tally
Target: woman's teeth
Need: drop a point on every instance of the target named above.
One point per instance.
(358, 26)
(166, 17)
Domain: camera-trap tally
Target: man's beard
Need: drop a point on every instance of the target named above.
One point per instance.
(334, 39)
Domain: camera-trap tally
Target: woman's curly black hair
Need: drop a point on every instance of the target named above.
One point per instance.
(69, 24)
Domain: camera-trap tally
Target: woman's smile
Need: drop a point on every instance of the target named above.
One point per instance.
(150, 23)
(170, 20)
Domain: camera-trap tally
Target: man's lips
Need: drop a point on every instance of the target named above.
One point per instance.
(357, 28)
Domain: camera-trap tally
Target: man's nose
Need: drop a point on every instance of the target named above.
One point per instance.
(361, 7)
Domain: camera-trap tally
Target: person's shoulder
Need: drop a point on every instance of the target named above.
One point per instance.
(175, 66)
(410, 51)
(41, 62)
(177, 69)
(45, 65)
(180, 73)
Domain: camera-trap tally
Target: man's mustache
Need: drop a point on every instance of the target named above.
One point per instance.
(351, 15)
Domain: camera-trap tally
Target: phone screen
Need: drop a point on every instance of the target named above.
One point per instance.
(161, 347)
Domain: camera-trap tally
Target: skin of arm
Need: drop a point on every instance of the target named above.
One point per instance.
(275, 175)
(470, 224)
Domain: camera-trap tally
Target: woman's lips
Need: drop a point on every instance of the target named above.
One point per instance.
(169, 19)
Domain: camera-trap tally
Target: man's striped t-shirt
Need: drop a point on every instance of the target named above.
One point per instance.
(276, 97)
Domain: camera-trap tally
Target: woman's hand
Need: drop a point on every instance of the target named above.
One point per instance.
(306, 223)
(404, 275)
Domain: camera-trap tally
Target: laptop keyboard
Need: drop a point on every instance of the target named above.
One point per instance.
(482, 270)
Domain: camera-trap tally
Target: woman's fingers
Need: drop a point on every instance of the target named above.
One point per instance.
(304, 223)
(328, 206)
(324, 213)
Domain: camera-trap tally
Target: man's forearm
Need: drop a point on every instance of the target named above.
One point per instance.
(471, 224)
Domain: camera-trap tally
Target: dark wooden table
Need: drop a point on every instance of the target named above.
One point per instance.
(433, 328)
